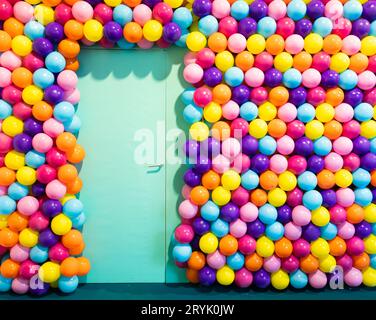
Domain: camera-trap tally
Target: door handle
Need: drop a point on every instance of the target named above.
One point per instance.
(154, 165)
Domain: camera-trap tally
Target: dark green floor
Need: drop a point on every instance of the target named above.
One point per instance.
(159, 291)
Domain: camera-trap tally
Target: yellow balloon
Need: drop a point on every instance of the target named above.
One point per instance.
(61, 224)
(369, 277)
(32, 94)
(174, 3)
(33, 2)
(199, 131)
(280, 279)
(208, 243)
(28, 238)
(320, 217)
(224, 60)
(314, 129)
(44, 14)
(370, 244)
(196, 41)
(370, 213)
(343, 178)
(12, 126)
(152, 30)
(264, 247)
(327, 264)
(287, 181)
(26, 176)
(112, 3)
(221, 196)
(283, 61)
(93, 30)
(49, 272)
(368, 46)
(258, 128)
(66, 198)
(339, 62)
(212, 112)
(256, 43)
(325, 112)
(3, 221)
(313, 43)
(267, 111)
(21, 45)
(14, 160)
(225, 276)
(368, 129)
(277, 197)
(320, 248)
(230, 180)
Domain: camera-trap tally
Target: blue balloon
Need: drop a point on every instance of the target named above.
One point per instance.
(182, 252)
(187, 96)
(124, 44)
(250, 180)
(43, 78)
(5, 109)
(210, 211)
(234, 76)
(183, 17)
(307, 181)
(267, 145)
(363, 196)
(7, 205)
(322, 26)
(298, 279)
(74, 125)
(208, 25)
(373, 260)
(55, 62)
(248, 111)
(5, 284)
(34, 30)
(329, 231)
(373, 145)
(64, 111)
(306, 112)
(296, 9)
(192, 114)
(122, 14)
(239, 10)
(275, 231)
(219, 228)
(266, 27)
(235, 261)
(372, 31)
(361, 178)
(68, 285)
(363, 112)
(182, 42)
(73, 208)
(268, 214)
(79, 221)
(348, 79)
(292, 78)
(352, 10)
(17, 191)
(312, 199)
(322, 146)
(39, 254)
(35, 159)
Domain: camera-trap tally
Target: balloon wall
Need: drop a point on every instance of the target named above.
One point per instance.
(281, 184)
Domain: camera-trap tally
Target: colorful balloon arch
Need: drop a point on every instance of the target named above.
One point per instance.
(281, 190)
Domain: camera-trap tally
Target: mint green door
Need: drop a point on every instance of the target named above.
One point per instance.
(123, 112)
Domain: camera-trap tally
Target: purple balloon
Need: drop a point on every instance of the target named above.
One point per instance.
(212, 76)
(40, 288)
(203, 164)
(42, 46)
(260, 163)
(151, 3)
(311, 232)
(47, 238)
(210, 148)
(171, 32)
(192, 149)
(200, 226)
(51, 207)
(54, 32)
(255, 228)
(261, 279)
(230, 212)
(369, 10)
(113, 31)
(22, 143)
(298, 96)
(192, 178)
(54, 94)
(249, 145)
(363, 229)
(273, 78)
(315, 164)
(247, 27)
(207, 276)
(240, 94)
(258, 9)
(329, 79)
(360, 28)
(202, 8)
(303, 27)
(304, 146)
(361, 145)
(315, 9)
(368, 161)
(353, 97)
(329, 198)
(32, 127)
(38, 189)
(284, 214)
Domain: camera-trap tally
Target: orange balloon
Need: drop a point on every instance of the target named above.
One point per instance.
(132, 32)
(17, 222)
(283, 248)
(75, 186)
(22, 77)
(72, 239)
(67, 173)
(7, 176)
(221, 93)
(70, 2)
(332, 129)
(199, 195)
(244, 60)
(69, 48)
(355, 213)
(8, 238)
(332, 44)
(259, 197)
(211, 180)
(13, 27)
(278, 96)
(361, 262)
(275, 44)
(217, 42)
(302, 61)
(334, 96)
(5, 41)
(196, 261)
(221, 130)
(373, 178)
(74, 30)
(358, 62)
(277, 128)
(76, 154)
(253, 262)
(132, 3)
(326, 179)
(192, 276)
(309, 264)
(51, 3)
(66, 141)
(83, 266)
(268, 180)
(69, 267)
(9, 269)
(228, 245)
(42, 111)
(75, 251)
(72, 64)
(337, 246)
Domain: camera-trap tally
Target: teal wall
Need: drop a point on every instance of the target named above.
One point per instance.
(131, 211)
